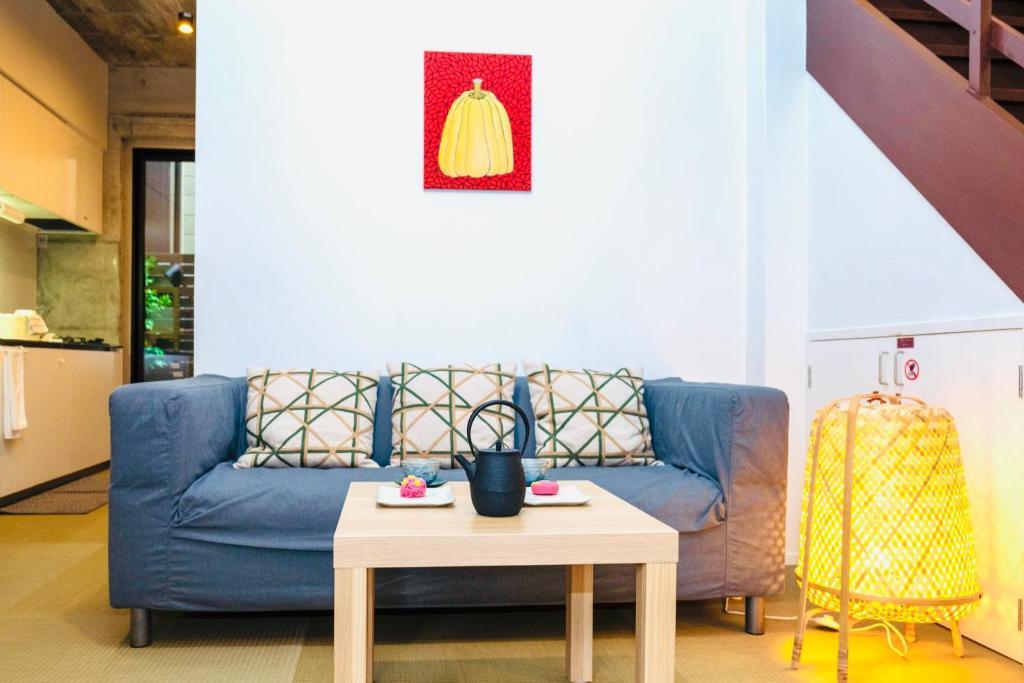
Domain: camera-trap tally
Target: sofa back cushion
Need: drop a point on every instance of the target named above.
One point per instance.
(590, 417)
(309, 418)
(431, 406)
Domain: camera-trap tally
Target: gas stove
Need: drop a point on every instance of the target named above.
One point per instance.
(96, 341)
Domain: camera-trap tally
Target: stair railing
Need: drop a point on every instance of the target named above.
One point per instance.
(987, 33)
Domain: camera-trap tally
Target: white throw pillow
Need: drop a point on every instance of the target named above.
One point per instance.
(432, 405)
(309, 418)
(590, 417)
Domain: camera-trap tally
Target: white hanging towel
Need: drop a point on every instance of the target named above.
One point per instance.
(13, 361)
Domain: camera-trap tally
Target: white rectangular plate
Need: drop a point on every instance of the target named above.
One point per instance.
(567, 495)
(390, 495)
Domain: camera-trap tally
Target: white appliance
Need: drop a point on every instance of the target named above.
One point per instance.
(24, 324)
(975, 369)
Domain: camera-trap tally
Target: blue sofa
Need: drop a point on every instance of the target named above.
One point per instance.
(190, 532)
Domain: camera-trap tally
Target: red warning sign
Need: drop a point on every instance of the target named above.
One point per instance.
(912, 369)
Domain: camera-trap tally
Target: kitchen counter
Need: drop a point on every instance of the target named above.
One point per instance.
(76, 346)
(66, 393)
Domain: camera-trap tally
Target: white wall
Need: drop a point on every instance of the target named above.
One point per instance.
(756, 209)
(880, 254)
(317, 246)
(785, 241)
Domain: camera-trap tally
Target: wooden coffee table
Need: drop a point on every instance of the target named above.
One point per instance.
(607, 530)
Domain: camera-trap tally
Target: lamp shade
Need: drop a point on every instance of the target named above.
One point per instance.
(910, 543)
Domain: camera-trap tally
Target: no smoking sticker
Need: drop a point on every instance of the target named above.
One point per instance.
(912, 369)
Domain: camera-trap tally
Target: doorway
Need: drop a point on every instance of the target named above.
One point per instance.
(163, 264)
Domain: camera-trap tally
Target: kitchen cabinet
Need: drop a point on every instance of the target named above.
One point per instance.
(51, 168)
(56, 191)
(19, 142)
(66, 394)
(87, 204)
(978, 375)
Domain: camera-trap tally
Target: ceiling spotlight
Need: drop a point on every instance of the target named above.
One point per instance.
(186, 23)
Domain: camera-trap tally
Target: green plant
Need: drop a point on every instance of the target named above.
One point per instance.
(155, 302)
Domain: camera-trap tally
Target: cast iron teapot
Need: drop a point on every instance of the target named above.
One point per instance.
(497, 483)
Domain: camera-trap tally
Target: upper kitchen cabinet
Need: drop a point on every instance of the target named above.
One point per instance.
(48, 169)
(19, 142)
(87, 164)
(43, 55)
(57, 183)
(53, 118)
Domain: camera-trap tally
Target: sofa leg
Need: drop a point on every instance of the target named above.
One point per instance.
(753, 620)
(141, 627)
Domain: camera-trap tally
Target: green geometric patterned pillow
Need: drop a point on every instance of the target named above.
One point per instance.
(588, 417)
(309, 418)
(432, 405)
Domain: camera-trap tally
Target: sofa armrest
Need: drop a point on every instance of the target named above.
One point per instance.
(737, 436)
(164, 436)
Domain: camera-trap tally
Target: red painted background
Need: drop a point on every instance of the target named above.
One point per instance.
(446, 75)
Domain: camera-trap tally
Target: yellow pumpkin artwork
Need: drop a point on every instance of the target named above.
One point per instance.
(477, 137)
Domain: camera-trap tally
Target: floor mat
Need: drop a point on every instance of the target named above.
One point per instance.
(74, 498)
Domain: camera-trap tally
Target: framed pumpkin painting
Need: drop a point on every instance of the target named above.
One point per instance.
(476, 121)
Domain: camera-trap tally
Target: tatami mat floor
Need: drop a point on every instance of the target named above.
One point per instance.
(55, 625)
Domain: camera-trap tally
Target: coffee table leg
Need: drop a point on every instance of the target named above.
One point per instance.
(353, 625)
(655, 622)
(579, 623)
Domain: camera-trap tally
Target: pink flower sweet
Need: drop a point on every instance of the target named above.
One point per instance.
(413, 487)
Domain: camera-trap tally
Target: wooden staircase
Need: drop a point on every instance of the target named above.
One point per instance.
(938, 86)
(951, 43)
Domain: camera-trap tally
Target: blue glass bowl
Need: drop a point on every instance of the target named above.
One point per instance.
(424, 468)
(534, 469)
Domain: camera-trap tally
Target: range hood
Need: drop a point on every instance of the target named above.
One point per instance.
(57, 226)
(39, 218)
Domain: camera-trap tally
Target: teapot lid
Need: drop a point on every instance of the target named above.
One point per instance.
(499, 447)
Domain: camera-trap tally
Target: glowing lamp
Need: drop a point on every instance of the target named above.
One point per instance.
(885, 528)
(186, 23)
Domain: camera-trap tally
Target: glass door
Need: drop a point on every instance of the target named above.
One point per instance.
(163, 260)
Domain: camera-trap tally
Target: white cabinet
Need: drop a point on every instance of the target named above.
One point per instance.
(53, 170)
(66, 394)
(19, 142)
(87, 162)
(56, 192)
(977, 375)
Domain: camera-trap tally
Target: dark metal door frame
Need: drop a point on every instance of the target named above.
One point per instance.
(139, 158)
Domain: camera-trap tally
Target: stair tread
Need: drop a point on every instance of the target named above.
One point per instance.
(1010, 11)
(1005, 75)
(944, 39)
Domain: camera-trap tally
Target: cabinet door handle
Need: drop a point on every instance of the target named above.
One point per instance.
(897, 378)
(881, 367)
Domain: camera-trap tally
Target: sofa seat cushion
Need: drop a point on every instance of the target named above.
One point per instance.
(298, 508)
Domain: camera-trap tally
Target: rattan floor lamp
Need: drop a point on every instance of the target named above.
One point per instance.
(885, 529)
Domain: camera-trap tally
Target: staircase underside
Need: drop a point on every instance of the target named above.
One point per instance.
(963, 153)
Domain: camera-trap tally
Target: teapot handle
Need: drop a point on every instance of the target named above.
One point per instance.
(480, 408)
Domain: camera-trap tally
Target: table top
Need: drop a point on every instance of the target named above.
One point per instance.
(607, 530)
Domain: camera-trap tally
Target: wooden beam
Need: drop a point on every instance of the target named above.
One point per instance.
(1008, 94)
(980, 68)
(957, 10)
(1008, 40)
